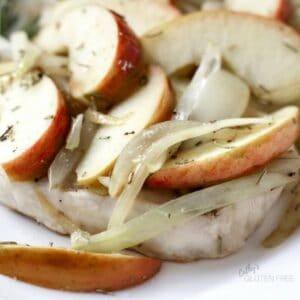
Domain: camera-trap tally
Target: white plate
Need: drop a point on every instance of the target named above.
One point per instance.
(253, 272)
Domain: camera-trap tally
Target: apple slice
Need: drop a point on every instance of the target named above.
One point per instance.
(34, 123)
(278, 9)
(141, 15)
(245, 42)
(73, 270)
(151, 104)
(106, 58)
(229, 154)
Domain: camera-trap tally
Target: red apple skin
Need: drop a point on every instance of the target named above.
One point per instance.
(238, 162)
(283, 10)
(121, 80)
(70, 270)
(34, 163)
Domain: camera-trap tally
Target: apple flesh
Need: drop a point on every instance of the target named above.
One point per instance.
(278, 9)
(34, 124)
(245, 42)
(141, 15)
(106, 58)
(73, 270)
(151, 104)
(229, 155)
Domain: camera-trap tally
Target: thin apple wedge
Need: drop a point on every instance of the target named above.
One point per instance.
(34, 123)
(73, 270)
(141, 15)
(278, 9)
(227, 155)
(245, 42)
(106, 58)
(151, 104)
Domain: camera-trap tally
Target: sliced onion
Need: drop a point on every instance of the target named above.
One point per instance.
(28, 61)
(210, 63)
(134, 152)
(54, 65)
(137, 169)
(224, 96)
(73, 139)
(19, 42)
(25, 53)
(99, 118)
(66, 161)
(179, 211)
(62, 166)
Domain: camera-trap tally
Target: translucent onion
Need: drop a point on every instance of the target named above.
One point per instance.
(99, 118)
(210, 63)
(134, 152)
(19, 42)
(28, 62)
(54, 65)
(62, 166)
(137, 169)
(178, 211)
(25, 53)
(73, 139)
(66, 161)
(224, 96)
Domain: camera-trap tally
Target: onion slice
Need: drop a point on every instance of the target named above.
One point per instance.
(139, 167)
(99, 118)
(54, 65)
(66, 160)
(28, 61)
(25, 52)
(134, 152)
(73, 139)
(179, 211)
(211, 62)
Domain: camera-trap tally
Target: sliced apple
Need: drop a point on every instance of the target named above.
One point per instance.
(141, 15)
(151, 104)
(34, 123)
(73, 270)
(278, 9)
(230, 154)
(245, 42)
(106, 59)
